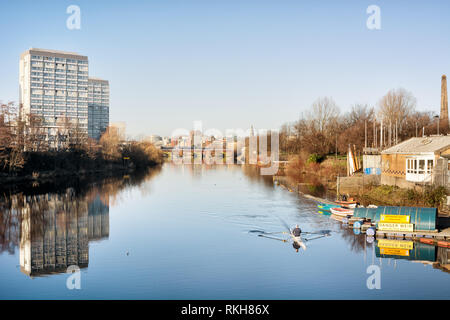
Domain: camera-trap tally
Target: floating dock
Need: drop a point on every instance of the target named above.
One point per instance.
(443, 235)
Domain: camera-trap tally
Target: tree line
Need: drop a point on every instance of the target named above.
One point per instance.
(27, 147)
(324, 130)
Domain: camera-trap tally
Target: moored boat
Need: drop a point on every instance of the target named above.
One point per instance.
(327, 207)
(347, 203)
(343, 212)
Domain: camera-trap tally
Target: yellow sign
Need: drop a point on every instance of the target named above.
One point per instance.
(390, 218)
(394, 252)
(395, 244)
(395, 226)
(126, 158)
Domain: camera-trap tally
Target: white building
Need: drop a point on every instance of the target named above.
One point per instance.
(54, 85)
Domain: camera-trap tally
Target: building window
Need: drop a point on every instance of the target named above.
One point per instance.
(419, 166)
(430, 166)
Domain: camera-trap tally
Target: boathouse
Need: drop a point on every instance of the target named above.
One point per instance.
(417, 161)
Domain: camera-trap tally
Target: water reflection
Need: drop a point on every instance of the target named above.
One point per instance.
(437, 257)
(253, 173)
(211, 211)
(53, 230)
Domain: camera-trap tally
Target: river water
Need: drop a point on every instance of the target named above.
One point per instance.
(191, 232)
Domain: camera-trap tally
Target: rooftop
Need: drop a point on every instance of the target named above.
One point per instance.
(94, 79)
(54, 53)
(420, 145)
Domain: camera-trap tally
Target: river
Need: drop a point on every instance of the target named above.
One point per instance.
(191, 232)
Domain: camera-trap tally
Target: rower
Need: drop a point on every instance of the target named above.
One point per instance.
(296, 232)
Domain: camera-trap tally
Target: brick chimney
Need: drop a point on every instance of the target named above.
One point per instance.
(444, 103)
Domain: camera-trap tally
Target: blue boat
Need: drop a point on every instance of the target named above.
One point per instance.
(327, 207)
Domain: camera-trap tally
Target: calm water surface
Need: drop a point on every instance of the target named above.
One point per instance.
(191, 233)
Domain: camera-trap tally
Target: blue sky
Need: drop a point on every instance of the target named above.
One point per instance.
(235, 63)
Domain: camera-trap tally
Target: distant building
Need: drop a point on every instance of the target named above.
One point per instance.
(121, 128)
(422, 160)
(155, 140)
(98, 105)
(166, 141)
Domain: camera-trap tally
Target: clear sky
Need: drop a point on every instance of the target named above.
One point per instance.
(233, 63)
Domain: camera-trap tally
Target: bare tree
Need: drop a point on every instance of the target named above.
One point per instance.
(318, 130)
(323, 114)
(394, 108)
(11, 138)
(360, 113)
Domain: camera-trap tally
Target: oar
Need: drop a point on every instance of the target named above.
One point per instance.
(274, 232)
(263, 236)
(318, 233)
(315, 238)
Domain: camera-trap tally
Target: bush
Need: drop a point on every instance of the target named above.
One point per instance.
(435, 196)
(142, 154)
(315, 158)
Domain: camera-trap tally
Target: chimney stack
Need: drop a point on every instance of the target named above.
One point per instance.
(444, 103)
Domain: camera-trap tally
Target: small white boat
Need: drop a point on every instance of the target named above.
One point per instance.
(342, 212)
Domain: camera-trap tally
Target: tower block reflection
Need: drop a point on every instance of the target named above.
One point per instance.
(56, 230)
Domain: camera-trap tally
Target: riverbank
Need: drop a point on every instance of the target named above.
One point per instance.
(59, 179)
(327, 179)
(382, 195)
(36, 167)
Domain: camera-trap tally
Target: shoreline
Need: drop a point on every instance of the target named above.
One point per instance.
(284, 182)
(35, 180)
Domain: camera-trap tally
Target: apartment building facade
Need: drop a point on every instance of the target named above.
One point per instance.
(54, 86)
(98, 105)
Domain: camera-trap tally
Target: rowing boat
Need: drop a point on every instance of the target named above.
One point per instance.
(341, 212)
(298, 241)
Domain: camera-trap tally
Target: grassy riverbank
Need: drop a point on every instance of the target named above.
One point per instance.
(314, 170)
(395, 196)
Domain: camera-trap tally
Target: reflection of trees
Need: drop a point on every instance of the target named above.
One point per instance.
(357, 243)
(9, 228)
(253, 173)
(109, 189)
